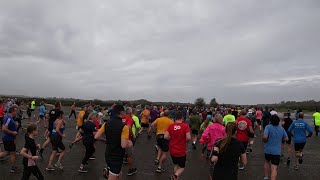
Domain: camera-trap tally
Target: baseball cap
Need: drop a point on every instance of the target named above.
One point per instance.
(273, 113)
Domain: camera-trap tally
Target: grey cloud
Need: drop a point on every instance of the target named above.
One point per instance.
(239, 52)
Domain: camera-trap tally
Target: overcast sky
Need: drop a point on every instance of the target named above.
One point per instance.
(241, 52)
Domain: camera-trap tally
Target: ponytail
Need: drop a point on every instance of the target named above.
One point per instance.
(224, 143)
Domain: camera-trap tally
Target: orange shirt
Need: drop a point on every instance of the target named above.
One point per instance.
(145, 116)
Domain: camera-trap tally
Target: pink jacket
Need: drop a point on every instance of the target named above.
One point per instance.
(212, 133)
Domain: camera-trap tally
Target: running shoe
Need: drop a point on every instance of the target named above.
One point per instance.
(83, 170)
(157, 148)
(301, 159)
(194, 147)
(296, 167)
(160, 170)
(92, 158)
(125, 161)
(132, 171)
(50, 168)
(71, 145)
(14, 169)
(288, 161)
(173, 177)
(156, 162)
(241, 167)
(265, 178)
(58, 165)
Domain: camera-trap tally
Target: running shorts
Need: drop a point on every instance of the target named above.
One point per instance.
(299, 146)
(114, 166)
(41, 116)
(194, 132)
(9, 146)
(162, 143)
(57, 143)
(144, 125)
(244, 144)
(180, 161)
(289, 139)
(259, 122)
(275, 159)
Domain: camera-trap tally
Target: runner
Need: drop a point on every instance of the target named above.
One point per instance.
(162, 124)
(9, 133)
(80, 122)
(117, 137)
(226, 154)
(33, 107)
(316, 119)
(265, 117)
(259, 119)
(42, 113)
(251, 116)
(88, 129)
(179, 134)
(286, 123)
(56, 141)
(145, 126)
(154, 114)
(300, 128)
(73, 111)
(136, 126)
(1, 112)
(212, 133)
(244, 127)
(206, 123)
(229, 117)
(127, 120)
(273, 137)
(195, 121)
(19, 115)
(53, 115)
(29, 153)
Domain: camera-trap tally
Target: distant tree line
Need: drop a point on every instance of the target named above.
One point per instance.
(310, 105)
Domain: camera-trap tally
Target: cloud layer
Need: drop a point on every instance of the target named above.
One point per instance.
(239, 52)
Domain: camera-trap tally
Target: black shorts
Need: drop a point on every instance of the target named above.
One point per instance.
(275, 159)
(50, 127)
(31, 110)
(250, 135)
(114, 166)
(299, 146)
(244, 144)
(194, 132)
(180, 161)
(259, 121)
(144, 125)
(41, 116)
(9, 146)
(162, 143)
(57, 143)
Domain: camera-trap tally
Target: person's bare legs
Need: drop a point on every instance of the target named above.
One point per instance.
(162, 157)
(53, 154)
(266, 168)
(274, 172)
(61, 155)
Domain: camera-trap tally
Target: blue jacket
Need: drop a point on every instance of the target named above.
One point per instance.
(42, 110)
(300, 128)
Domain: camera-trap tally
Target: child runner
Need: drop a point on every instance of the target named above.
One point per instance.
(29, 153)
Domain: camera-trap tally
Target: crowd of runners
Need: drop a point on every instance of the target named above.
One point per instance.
(225, 136)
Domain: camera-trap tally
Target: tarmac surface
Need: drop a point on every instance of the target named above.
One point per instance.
(145, 154)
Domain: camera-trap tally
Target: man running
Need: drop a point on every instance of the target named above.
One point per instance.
(316, 119)
(33, 107)
(73, 111)
(273, 137)
(136, 126)
(286, 123)
(195, 122)
(162, 124)
(128, 120)
(117, 137)
(145, 124)
(266, 115)
(244, 127)
(300, 128)
(53, 116)
(229, 117)
(179, 134)
(9, 133)
(154, 114)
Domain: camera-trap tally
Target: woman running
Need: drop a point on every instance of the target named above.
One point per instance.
(29, 152)
(56, 140)
(226, 154)
(73, 111)
(42, 113)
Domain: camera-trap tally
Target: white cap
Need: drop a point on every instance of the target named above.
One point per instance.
(100, 114)
(273, 113)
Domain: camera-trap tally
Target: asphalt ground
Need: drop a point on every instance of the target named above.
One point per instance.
(145, 154)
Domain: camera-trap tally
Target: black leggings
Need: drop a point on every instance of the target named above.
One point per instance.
(73, 112)
(31, 169)
(89, 152)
